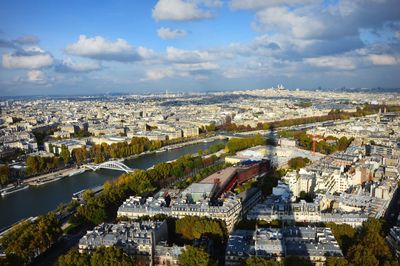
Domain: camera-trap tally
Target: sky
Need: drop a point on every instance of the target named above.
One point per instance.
(144, 46)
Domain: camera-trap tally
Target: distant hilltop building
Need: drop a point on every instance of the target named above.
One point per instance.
(280, 87)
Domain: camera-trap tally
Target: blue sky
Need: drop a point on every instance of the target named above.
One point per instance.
(84, 47)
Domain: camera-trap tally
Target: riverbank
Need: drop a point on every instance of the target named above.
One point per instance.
(37, 200)
(58, 175)
(33, 181)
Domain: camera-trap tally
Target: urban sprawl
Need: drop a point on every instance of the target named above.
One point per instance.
(296, 176)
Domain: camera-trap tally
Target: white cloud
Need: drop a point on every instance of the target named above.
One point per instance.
(185, 56)
(103, 49)
(156, 74)
(179, 10)
(84, 66)
(36, 76)
(383, 59)
(397, 35)
(284, 20)
(145, 53)
(27, 60)
(168, 33)
(197, 66)
(336, 62)
(254, 4)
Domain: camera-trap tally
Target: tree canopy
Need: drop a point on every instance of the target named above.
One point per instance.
(102, 256)
(194, 256)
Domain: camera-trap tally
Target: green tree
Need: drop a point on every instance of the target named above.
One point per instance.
(296, 261)
(105, 256)
(28, 239)
(32, 165)
(74, 258)
(4, 175)
(194, 256)
(259, 261)
(298, 162)
(192, 227)
(64, 154)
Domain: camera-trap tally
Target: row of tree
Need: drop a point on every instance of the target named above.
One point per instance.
(98, 154)
(29, 239)
(332, 115)
(212, 149)
(38, 164)
(238, 144)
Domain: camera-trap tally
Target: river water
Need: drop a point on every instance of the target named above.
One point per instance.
(39, 200)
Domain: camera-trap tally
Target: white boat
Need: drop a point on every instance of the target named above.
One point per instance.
(80, 171)
(14, 189)
(46, 181)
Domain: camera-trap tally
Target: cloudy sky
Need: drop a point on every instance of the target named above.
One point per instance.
(84, 47)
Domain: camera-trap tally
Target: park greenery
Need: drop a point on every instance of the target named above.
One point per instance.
(238, 144)
(29, 239)
(195, 256)
(326, 145)
(298, 162)
(331, 116)
(366, 246)
(212, 149)
(102, 256)
(193, 227)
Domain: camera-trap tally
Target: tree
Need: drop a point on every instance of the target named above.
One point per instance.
(99, 257)
(298, 162)
(194, 256)
(110, 256)
(73, 257)
(259, 261)
(29, 239)
(4, 175)
(32, 165)
(64, 154)
(297, 261)
(333, 261)
(344, 234)
(192, 227)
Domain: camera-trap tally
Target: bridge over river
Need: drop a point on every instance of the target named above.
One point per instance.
(111, 165)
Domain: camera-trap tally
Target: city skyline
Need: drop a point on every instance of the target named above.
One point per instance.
(196, 46)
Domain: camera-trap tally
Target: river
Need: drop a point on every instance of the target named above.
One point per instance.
(39, 200)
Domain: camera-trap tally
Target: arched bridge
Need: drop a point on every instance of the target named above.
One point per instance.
(112, 165)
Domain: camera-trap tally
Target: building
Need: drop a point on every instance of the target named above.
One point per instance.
(227, 209)
(314, 243)
(55, 146)
(167, 255)
(239, 247)
(209, 198)
(135, 238)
